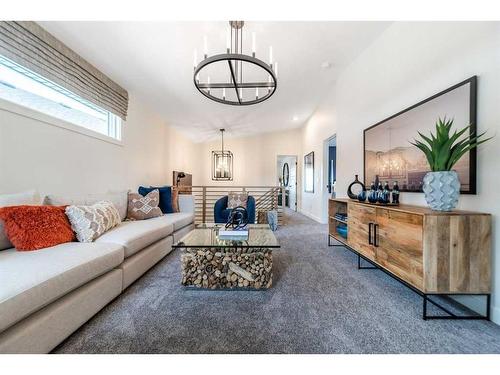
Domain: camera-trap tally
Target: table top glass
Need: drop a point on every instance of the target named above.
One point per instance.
(206, 235)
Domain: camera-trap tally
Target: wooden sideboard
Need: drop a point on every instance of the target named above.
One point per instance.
(434, 252)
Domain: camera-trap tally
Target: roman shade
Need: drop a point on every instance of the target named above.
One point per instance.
(29, 45)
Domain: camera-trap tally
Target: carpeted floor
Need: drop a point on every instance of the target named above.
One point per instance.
(320, 303)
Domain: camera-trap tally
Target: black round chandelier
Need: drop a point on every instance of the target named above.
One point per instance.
(245, 79)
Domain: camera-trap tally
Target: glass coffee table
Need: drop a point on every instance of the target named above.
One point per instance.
(211, 263)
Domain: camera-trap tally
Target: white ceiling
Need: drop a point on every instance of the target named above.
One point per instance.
(154, 61)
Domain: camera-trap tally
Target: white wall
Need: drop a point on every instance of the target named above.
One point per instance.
(51, 159)
(181, 154)
(319, 128)
(254, 157)
(407, 63)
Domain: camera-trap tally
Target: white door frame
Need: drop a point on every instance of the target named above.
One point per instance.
(296, 208)
(325, 195)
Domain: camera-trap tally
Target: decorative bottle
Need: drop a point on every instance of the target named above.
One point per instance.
(380, 193)
(395, 193)
(372, 195)
(386, 193)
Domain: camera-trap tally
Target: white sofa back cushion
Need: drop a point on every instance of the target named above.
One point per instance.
(30, 197)
(118, 198)
(186, 203)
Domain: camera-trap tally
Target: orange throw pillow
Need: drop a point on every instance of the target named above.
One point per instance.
(36, 227)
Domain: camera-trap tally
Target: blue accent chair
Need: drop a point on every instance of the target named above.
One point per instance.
(221, 212)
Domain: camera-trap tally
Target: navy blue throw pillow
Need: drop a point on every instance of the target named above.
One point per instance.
(165, 197)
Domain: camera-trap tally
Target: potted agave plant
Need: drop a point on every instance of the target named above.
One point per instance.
(443, 150)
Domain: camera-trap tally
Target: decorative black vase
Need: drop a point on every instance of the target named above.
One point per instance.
(355, 182)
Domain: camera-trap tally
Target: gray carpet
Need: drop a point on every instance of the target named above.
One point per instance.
(320, 303)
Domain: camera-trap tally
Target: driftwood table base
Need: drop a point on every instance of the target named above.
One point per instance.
(227, 268)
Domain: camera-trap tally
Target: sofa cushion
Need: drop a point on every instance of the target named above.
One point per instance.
(136, 235)
(181, 219)
(186, 203)
(31, 280)
(7, 200)
(118, 198)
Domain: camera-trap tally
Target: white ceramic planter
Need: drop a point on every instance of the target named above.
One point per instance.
(442, 190)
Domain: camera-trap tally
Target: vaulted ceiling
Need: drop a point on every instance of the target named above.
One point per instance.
(154, 61)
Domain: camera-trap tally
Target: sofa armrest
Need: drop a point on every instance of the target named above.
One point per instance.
(186, 203)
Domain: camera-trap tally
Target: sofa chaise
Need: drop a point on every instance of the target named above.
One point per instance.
(45, 295)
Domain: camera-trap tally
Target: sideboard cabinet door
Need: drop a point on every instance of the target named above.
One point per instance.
(360, 217)
(398, 244)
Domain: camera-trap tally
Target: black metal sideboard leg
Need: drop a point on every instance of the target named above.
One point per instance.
(330, 241)
(334, 244)
(360, 267)
(488, 306)
(424, 307)
(451, 315)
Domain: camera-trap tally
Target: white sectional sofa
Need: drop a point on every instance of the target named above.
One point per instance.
(45, 295)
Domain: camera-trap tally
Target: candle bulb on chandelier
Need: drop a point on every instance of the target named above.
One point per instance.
(195, 59)
(271, 55)
(276, 69)
(208, 82)
(224, 93)
(269, 80)
(228, 41)
(241, 94)
(253, 44)
(205, 46)
(256, 93)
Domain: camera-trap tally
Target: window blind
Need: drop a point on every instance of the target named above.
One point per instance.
(29, 45)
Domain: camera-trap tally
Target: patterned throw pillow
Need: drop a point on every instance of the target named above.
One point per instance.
(236, 200)
(141, 208)
(89, 222)
(165, 197)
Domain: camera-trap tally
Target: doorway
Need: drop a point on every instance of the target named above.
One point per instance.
(286, 172)
(330, 172)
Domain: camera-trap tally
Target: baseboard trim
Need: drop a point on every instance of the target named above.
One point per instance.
(311, 216)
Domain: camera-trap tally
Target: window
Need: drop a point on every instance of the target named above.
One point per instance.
(24, 87)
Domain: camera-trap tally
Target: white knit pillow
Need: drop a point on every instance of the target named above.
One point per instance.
(89, 222)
